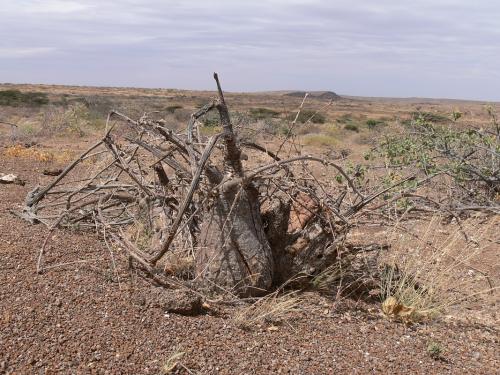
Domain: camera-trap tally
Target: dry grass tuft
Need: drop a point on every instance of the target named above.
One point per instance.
(180, 265)
(173, 362)
(19, 151)
(333, 275)
(426, 275)
(320, 140)
(273, 309)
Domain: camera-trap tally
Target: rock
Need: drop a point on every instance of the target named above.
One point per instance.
(52, 172)
(182, 302)
(11, 179)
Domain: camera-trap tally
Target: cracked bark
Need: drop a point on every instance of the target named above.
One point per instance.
(234, 253)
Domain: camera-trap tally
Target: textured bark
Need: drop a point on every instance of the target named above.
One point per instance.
(235, 254)
(302, 244)
(234, 251)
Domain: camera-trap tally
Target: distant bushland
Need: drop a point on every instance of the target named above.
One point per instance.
(16, 98)
(263, 113)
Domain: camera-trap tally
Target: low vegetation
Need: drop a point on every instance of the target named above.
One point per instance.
(308, 116)
(469, 156)
(435, 350)
(352, 127)
(346, 205)
(426, 274)
(263, 113)
(372, 124)
(271, 310)
(16, 98)
(173, 108)
(320, 140)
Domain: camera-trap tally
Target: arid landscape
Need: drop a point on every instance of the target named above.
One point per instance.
(380, 215)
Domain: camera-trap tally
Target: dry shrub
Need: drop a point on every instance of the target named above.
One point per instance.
(313, 129)
(19, 151)
(180, 265)
(272, 309)
(182, 115)
(320, 140)
(333, 275)
(426, 274)
(74, 120)
(354, 274)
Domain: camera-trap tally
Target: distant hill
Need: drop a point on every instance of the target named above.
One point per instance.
(324, 95)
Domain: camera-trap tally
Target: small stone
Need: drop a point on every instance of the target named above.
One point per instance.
(182, 302)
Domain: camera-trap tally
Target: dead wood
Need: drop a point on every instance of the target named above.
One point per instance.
(246, 227)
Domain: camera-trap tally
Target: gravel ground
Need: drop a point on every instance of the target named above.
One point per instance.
(84, 318)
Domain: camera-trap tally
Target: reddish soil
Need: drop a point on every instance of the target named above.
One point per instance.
(86, 318)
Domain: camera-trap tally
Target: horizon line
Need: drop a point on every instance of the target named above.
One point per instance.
(347, 96)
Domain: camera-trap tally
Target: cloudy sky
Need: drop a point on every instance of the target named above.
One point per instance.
(426, 48)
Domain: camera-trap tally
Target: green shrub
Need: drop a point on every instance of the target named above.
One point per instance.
(211, 120)
(470, 157)
(308, 115)
(173, 108)
(372, 124)
(344, 119)
(352, 127)
(429, 117)
(435, 350)
(263, 113)
(15, 98)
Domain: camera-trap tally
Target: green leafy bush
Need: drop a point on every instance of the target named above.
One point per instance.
(470, 157)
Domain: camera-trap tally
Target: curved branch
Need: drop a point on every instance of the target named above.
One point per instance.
(187, 200)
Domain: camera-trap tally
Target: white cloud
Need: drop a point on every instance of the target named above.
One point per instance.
(20, 52)
(44, 6)
(328, 42)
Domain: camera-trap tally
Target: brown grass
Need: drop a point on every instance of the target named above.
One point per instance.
(426, 275)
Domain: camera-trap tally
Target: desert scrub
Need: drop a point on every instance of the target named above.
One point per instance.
(16, 98)
(74, 120)
(19, 151)
(435, 350)
(351, 127)
(348, 122)
(307, 115)
(173, 108)
(211, 120)
(263, 113)
(320, 140)
(429, 117)
(372, 123)
(469, 156)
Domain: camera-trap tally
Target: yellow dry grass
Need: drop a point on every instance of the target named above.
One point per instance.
(272, 309)
(19, 151)
(427, 274)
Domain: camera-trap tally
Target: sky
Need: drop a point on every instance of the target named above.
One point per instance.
(395, 48)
